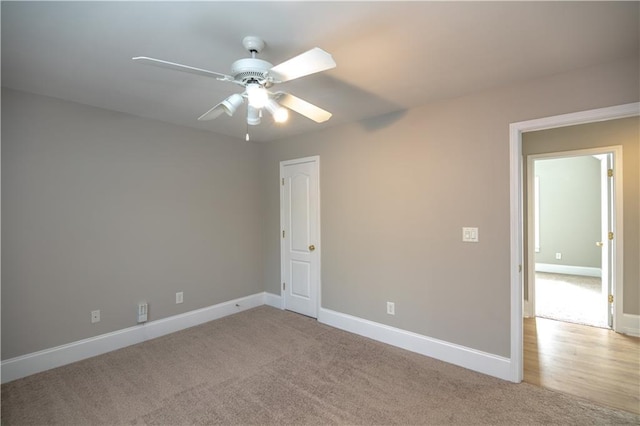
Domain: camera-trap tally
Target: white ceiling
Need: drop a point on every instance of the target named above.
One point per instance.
(390, 56)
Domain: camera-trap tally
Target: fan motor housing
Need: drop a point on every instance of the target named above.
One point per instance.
(248, 69)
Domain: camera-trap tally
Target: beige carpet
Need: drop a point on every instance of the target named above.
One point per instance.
(266, 366)
(571, 298)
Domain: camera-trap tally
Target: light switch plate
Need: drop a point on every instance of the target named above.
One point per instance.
(470, 235)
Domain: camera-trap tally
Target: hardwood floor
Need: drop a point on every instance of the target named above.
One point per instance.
(589, 362)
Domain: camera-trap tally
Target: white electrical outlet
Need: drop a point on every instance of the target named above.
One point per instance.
(143, 310)
(179, 297)
(391, 308)
(95, 316)
(558, 256)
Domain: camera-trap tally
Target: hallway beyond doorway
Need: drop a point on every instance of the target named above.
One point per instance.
(570, 298)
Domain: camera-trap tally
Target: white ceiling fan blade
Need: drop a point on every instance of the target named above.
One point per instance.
(214, 112)
(180, 67)
(303, 107)
(309, 62)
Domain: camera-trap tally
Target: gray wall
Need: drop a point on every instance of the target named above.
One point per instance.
(101, 210)
(570, 212)
(396, 191)
(623, 132)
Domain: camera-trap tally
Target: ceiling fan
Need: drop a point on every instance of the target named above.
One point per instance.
(258, 77)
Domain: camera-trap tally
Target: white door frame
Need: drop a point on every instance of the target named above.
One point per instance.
(315, 159)
(516, 208)
(616, 259)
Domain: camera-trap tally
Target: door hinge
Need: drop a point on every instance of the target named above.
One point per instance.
(611, 235)
(611, 298)
(283, 233)
(610, 172)
(282, 181)
(284, 286)
(519, 268)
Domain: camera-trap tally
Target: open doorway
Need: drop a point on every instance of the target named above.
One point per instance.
(556, 354)
(520, 304)
(570, 203)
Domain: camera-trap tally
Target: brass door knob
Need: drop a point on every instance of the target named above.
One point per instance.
(312, 247)
(599, 243)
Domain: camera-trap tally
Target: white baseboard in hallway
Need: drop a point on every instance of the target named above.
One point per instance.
(584, 271)
(629, 325)
(26, 365)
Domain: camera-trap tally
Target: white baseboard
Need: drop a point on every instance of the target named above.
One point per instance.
(455, 354)
(462, 356)
(273, 300)
(584, 271)
(486, 363)
(629, 324)
(25, 365)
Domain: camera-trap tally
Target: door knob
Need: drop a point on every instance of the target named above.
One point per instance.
(599, 243)
(312, 247)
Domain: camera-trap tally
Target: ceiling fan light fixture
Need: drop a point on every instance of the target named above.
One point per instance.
(258, 95)
(280, 113)
(232, 103)
(253, 116)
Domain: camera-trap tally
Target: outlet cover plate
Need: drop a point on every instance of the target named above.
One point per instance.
(391, 308)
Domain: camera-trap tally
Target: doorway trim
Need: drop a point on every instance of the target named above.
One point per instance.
(516, 208)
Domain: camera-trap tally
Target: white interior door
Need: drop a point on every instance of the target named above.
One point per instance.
(300, 234)
(606, 243)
